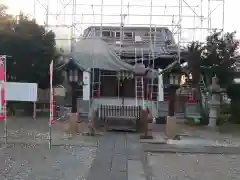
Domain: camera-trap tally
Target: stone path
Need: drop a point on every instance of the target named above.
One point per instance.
(119, 157)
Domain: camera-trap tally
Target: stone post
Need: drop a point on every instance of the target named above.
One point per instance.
(214, 103)
(73, 125)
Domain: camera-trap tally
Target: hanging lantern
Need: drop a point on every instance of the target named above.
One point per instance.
(119, 75)
(140, 69)
(130, 75)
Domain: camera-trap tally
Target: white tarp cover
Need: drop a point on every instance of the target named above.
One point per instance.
(93, 52)
(21, 91)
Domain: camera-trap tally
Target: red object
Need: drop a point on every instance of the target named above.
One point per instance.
(90, 124)
(97, 93)
(54, 112)
(2, 68)
(148, 111)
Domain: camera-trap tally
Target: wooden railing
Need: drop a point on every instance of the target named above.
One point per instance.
(120, 117)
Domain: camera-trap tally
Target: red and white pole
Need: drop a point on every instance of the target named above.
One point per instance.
(3, 109)
(51, 105)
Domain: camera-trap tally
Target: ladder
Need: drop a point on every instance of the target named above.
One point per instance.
(153, 89)
(139, 88)
(139, 85)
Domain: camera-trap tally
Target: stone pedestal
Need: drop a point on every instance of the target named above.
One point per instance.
(73, 125)
(171, 127)
(214, 105)
(142, 124)
(146, 125)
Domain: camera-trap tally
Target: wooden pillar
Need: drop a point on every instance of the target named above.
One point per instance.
(172, 99)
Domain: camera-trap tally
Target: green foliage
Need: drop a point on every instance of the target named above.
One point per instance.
(224, 114)
(235, 113)
(234, 92)
(194, 61)
(215, 57)
(30, 48)
(220, 57)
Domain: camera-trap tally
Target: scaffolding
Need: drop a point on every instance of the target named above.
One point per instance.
(188, 20)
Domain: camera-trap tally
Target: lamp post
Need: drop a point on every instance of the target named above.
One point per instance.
(73, 78)
(122, 76)
(174, 83)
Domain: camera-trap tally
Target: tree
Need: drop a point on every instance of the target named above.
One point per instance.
(30, 48)
(216, 57)
(219, 57)
(194, 61)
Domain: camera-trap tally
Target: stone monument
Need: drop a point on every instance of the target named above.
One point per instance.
(214, 103)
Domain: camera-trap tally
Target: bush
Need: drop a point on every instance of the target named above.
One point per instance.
(224, 114)
(235, 112)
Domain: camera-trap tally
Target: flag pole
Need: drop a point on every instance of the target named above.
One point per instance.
(3, 98)
(51, 107)
(5, 102)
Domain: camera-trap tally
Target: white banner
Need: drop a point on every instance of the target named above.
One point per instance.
(1, 105)
(51, 95)
(15, 91)
(86, 86)
(160, 87)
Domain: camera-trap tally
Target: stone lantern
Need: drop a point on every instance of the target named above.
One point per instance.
(174, 84)
(214, 103)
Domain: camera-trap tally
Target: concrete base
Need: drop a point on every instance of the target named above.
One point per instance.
(172, 127)
(213, 117)
(73, 125)
(143, 136)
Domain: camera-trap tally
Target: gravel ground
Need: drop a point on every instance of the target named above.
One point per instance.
(194, 167)
(28, 157)
(35, 162)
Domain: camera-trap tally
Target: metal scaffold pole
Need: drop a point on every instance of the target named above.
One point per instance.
(104, 18)
(101, 18)
(180, 30)
(184, 22)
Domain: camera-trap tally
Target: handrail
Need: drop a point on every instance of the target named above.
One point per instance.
(204, 97)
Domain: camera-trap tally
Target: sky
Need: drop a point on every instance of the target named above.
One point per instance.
(84, 15)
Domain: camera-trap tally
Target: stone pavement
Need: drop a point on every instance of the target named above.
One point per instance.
(119, 157)
(189, 134)
(194, 166)
(191, 149)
